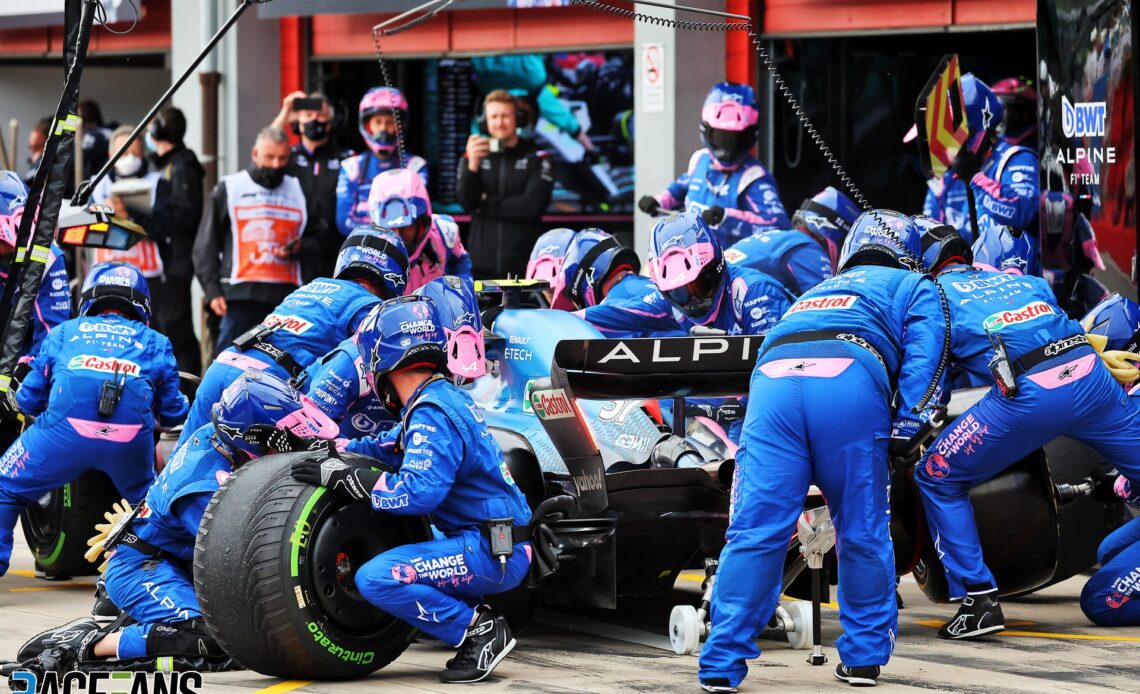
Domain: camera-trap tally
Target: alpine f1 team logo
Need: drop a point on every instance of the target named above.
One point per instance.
(1004, 319)
(824, 303)
(92, 362)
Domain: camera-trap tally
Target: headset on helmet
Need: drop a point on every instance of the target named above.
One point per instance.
(882, 237)
(376, 256)
(941, 244)
(984, 112)
(13, 195)
(255, 408)
(1118, 320)
(381, 100)
(1004, 249)
(729, 120)
(592, 258)
(400, 334)
(115, 285)
(827, 216)
(458, 309)
(398, 199)
(687, 265)
(548, 255)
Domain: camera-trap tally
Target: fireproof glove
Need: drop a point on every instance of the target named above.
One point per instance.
(966, 164)
(649, 205)
(713, 215)
(353, 481)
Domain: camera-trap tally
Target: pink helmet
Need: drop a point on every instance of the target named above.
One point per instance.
(547, 256)
(381, 100)
(13, 195)
(397, 200)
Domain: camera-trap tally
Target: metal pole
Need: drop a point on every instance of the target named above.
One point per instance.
(83, 193)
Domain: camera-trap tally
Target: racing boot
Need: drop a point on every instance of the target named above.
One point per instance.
(487, 641)
(858, 676)
(979, 614)
(104, 610)
(77, 637)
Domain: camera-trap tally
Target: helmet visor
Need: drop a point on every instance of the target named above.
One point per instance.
(695, 298)
(729, 146)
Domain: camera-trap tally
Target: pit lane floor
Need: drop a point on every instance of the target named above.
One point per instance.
(1050, 648)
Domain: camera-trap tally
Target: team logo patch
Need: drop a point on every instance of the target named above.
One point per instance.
(404, 573)
(1029, 312)
(91, 362)
(291, 324)
(824, 303)
(732, 255)
(937, 467)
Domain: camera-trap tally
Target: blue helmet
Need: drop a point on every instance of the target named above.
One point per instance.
(258, 404)
(687, 265)
(882, 237)
(983, 109)
(458, 308)
(1118, 319)
(13, 195)
(593, 257)
(941, 244)
(729, 120)
(1005, 249)
(399, 334)
(548, 254)
(827, 215)
(115, 285)
(376, 256)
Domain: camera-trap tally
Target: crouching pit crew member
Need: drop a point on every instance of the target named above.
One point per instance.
(843, 343)
(149, 574)
(444, 463)
(1047, 382)
(98, 387)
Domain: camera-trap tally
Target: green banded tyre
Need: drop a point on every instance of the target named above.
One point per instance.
(58, 525)
(274, 569)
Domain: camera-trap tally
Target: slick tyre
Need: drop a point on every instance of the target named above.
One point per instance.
(275, 566)
(58, 525)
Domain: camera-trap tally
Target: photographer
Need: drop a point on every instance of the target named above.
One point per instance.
(506, 186)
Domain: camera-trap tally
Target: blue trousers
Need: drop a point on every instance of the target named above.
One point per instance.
(1111, 598)
(1071, 395)
(790, 440)
(52, 453)
(436, 585)
(223, 371)
(151, 592)
(240, 317)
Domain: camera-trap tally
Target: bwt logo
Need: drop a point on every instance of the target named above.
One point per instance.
(1083, 119)
(28, 682)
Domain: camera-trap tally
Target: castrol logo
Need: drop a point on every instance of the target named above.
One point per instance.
(1004, 319)
(291, 324)
(824, 303)
(92, 362)
(551, 404)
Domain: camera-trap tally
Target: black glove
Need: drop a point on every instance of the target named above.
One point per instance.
(354, 481)
(1104, 487)
(9, 410)
(966, 164)
(713, 215)
(903, 455)
(286, 441)
(649, 205)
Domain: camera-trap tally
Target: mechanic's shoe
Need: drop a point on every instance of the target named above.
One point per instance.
(979, 614)
(899, 601)
(485, 644)
(858, 676)
(717, 684)
(104, 611)
(75, 635)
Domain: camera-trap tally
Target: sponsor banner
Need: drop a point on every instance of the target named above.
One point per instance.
(551, 404)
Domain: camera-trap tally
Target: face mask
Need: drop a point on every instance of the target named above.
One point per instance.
(150, 145)
(267, 177)
(315, 130)
(128, 165)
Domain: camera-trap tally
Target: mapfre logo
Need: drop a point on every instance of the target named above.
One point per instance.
(551, 404)
(824, 303)
(1082, 119)
(291, 324)
(91, 362)
(1004, 319)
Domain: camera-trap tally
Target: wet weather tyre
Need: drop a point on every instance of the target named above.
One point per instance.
(274, 568)
(58, 525)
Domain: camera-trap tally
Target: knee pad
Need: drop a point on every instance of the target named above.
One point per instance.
(188, 637)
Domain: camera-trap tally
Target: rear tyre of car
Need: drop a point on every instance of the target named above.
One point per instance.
(59, 524)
